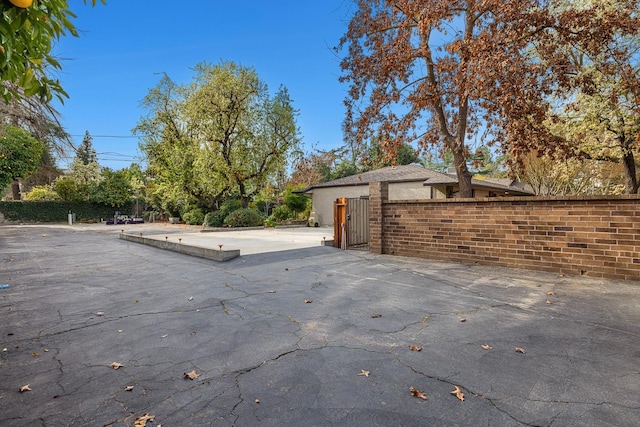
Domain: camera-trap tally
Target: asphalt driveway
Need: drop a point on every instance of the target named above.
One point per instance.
(303, 336)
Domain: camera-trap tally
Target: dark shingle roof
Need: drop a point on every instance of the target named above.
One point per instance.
(390, 174)
(408, 173)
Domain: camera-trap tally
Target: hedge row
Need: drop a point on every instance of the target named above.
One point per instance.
(48, 211)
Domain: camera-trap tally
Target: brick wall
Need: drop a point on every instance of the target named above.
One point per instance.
(592, 236)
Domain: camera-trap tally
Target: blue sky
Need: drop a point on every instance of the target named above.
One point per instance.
(125, 46)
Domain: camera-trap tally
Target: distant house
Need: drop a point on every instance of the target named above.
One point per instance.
(408, 182)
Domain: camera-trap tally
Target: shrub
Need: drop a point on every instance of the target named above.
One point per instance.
(42, 192)
(230, 205)
(244, 218)
(214, 219)
(70, 190)
(281, 213)
(46, 211)
(297, 203)
(193, 216)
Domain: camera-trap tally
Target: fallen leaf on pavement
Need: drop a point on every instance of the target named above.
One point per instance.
(142, 421)
(424, 319)
(486, 346)
(25, 388)
(135, 301)
(377, 315)
(364, 373)
(116, 365)
(191, 375)
(128, 388)
(35, 354)
(417, 393)
(458, 393)
(415, 348)
(548, 302)
(520, 350)
(462, 319)
(551, 293)
(308, 301)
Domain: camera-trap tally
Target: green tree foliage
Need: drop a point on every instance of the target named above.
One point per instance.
(71, 190)
(296, 203)
(171, 152)
(221, 135)
(25, 52)
(549, 176)
(375, 157)
(42, 193)
(603, 124)
(85, 152)
(20, 154)
(483, 162)
(114, 188)
(42, 121)
(87, 174)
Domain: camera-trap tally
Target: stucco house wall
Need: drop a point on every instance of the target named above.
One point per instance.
(413, 190)
(323, 199)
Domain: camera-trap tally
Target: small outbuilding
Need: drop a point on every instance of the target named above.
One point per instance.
(409, 182)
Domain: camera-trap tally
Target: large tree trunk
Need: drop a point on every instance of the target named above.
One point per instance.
(631, 178)
(15, 190)
(464, 176)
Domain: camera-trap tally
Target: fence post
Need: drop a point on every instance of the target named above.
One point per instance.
(378, 194)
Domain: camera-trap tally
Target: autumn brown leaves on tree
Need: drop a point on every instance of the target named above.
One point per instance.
(446, 72)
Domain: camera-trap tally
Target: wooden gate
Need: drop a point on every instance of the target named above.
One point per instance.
(351, 223)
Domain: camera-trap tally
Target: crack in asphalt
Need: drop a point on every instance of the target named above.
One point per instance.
(318, 341)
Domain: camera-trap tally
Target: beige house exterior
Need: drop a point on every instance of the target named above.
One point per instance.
(408, 182)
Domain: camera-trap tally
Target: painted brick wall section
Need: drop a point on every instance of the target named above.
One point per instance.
(593, 236)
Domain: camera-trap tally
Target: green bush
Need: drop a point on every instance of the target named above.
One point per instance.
(41, 193)
(214, 219)
(193, 217)
(70, 190)
(47, 211)
(244, 218)
(230, 205)
(281, 213)
(297, 203)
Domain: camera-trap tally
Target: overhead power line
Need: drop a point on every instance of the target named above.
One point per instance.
(109, 136)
